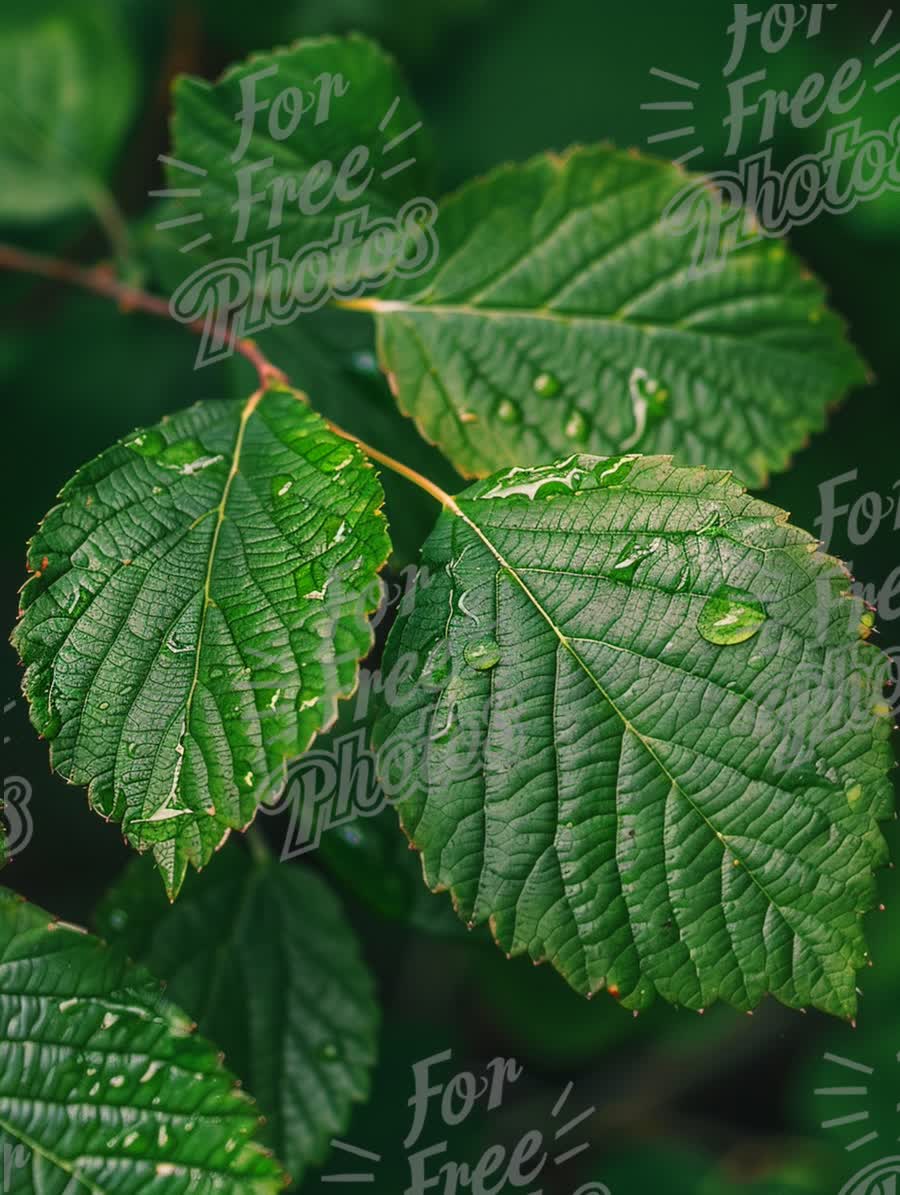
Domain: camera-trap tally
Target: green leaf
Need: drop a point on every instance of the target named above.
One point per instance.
(329, 355)
(199, 604)
(67, 90)
(562, 314)
(103, 1087)
(263, 957)
(614, 782)
(349, 88)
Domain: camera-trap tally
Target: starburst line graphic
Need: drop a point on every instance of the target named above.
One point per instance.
(852, 1091)
(563, 1130)
(182, 193)
(887, 55)
(689, 130)
(356, 1151)
(368, 1176)
(674, 106)
(397, 140)
(196, 192)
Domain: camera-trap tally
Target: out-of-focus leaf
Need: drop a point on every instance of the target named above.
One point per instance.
(263, 957)
(359, 146)
(68, 85)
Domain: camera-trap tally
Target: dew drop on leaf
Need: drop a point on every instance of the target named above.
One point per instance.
(438, 666)
(310, 580)
(712, 521)
(648, 402)
(187, 456)
(613, 470)
(577, 427)
(730, 616)
(508, 412)
(546, 385)
(148, 443)
(627, 564)
(482, 654)
(853, 792)
(543, 481)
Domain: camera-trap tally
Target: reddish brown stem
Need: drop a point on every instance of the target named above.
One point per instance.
(102, 281)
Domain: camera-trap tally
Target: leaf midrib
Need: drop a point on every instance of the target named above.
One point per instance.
(250, 406)
(387, 307)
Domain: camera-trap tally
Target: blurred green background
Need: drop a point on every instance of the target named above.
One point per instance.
(710, 1104)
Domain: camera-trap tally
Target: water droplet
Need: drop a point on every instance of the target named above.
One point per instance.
(730, 616)
(508, 412)
(822, 769)
(577, 427)
(52, 724)
(118, 919)
(648, 401)
(613, 470)
(482, 654)
(151, 1070)
(146, 443)
(757, 663)
(546, 385)
(627, 565)
(445, 730)
(78, 603)
(337, 461)
(187, 456)
(311, 580)
(543, 480)
(329, 1051)
(438, 665)
(281, 485)
(335, 529)
(712, 521)
(104, 705)
(176, 646)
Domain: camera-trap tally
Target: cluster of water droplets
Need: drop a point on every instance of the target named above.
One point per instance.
(566, 477)
(187, 456)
